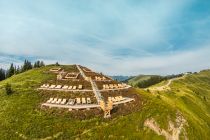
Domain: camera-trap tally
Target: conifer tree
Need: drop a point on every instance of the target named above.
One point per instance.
(11, 71)
(2, 74)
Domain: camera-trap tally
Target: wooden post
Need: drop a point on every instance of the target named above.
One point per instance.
(106, 108)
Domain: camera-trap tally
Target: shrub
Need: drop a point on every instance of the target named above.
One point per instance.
(8, 89)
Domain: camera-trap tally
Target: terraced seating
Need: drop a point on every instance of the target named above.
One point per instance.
(71, 102)
(116, 99)
(114, 86)
(97, 78)
(45, 86)
(72, 76)
(58, 87)
(55, 69)
(65, 87)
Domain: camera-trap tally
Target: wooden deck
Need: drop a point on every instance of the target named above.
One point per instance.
(85, 106)
(83, 90)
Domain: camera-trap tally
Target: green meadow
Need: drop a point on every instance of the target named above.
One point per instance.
(21, 115)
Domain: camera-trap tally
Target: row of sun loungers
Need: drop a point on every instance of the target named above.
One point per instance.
(100, 78)
(116, 99)
(87, 70)
(114, 86)
(70, 101)
(72, 75)
(55, 69)
(65, 87)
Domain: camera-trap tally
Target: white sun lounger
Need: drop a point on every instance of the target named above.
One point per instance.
(104, 86)
(74, 87)
(121, 98)
(65, 87)
(113, 99)
(54, 101)
(52, 86)
(71, 102)
(63, 102)
(47, 86)
(80, 87)
(78, 101)
(70, 87)
(83, 101)
(109, 98)
(88, 101)
(50, 100)
(58, 101)
(58, 87)
(43, 86)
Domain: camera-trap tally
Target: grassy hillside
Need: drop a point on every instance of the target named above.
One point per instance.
(139, 78)
(22, 118)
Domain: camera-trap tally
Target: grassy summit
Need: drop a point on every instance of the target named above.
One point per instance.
(22, 118)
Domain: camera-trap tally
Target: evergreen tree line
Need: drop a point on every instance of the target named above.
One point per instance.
(154, 80)
(27, 65)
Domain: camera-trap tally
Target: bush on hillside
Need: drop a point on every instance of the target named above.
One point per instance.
(8, 89)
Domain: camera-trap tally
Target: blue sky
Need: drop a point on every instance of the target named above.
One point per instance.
(126, 37)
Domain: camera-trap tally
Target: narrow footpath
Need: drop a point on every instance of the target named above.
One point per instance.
(93, 84)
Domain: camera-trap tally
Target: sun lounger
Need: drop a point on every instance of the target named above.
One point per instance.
(104, 86)
(80, 87)
(113, 99)
(58, 87)
(47, 86)
(120, 85)
(54, 101)
(74, 87)
(43, 86)
(115, 86)
(70, 87)
(50, 100)
(109, 98)
(65, 87)
(63, 102)
(83, 101)
(121, 98)
(107, 86)
(52, 86)
(78, 101)
(88, 101)
(71, 102)
(124, 85)
(58, 101)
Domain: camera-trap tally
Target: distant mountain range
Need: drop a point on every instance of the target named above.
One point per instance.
(121, 78)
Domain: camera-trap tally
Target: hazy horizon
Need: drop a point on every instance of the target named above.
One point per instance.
(120, 37)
